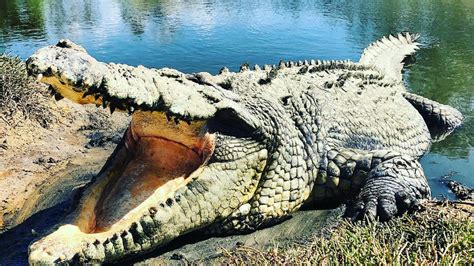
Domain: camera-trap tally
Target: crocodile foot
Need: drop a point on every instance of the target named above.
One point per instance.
(392, 188)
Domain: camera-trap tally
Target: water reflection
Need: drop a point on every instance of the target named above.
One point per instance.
(206, 35)
(21, 20)
(159, 17)
(61, 20)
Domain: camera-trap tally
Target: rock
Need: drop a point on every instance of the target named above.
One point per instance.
(462, 192)
(178, 256)
(101, 139)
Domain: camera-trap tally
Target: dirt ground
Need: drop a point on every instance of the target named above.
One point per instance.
(42, 162)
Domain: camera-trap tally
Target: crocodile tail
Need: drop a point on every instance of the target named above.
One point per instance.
(387, 54)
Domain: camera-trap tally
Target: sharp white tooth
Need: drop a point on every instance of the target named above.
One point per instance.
(39, 77)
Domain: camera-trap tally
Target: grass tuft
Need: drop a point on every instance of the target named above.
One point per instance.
(21, 95)
(443, 233)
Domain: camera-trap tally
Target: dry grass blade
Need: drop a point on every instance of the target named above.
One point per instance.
(20, 96)
(442, 234)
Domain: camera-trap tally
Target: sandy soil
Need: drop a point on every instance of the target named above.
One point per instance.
(42, 164)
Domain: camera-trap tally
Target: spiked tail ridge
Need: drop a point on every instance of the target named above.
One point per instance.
(387, 54)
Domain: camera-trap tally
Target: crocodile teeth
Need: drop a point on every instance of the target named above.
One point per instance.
(58, 96)
(39, 77)
(112, 108)
(131, 109)
(85, 94)
(52, 91)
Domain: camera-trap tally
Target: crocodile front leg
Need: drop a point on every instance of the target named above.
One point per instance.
(379, 183)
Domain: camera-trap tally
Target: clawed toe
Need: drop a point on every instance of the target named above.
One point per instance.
(381, 208)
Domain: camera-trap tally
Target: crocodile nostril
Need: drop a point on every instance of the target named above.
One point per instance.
(48, 72)
(286, 100)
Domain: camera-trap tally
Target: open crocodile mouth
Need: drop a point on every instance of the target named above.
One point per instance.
(159, 156)
(167, 177)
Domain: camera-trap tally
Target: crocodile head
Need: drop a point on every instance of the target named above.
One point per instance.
(190, 157)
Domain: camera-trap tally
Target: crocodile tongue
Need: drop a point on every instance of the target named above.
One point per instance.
(155, 162)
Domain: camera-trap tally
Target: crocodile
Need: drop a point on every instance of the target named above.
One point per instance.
(237, 151)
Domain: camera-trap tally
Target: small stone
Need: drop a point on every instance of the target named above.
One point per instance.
(178, 256)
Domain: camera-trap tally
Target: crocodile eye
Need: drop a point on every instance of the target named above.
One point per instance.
(227, 122)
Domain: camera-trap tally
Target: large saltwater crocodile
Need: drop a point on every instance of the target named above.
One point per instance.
(233, 152)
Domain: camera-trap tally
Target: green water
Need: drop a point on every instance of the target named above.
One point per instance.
(206, 35)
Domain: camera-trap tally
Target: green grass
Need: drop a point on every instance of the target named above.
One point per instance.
(21, 98)
(441, 234)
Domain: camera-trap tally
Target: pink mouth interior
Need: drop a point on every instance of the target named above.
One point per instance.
(152, 161)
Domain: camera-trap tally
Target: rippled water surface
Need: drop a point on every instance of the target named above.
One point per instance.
(206, 35)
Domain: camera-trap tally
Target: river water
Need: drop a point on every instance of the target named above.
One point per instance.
(197, 36)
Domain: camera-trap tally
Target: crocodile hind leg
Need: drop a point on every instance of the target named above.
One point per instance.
(441, 119)
(376, 183)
